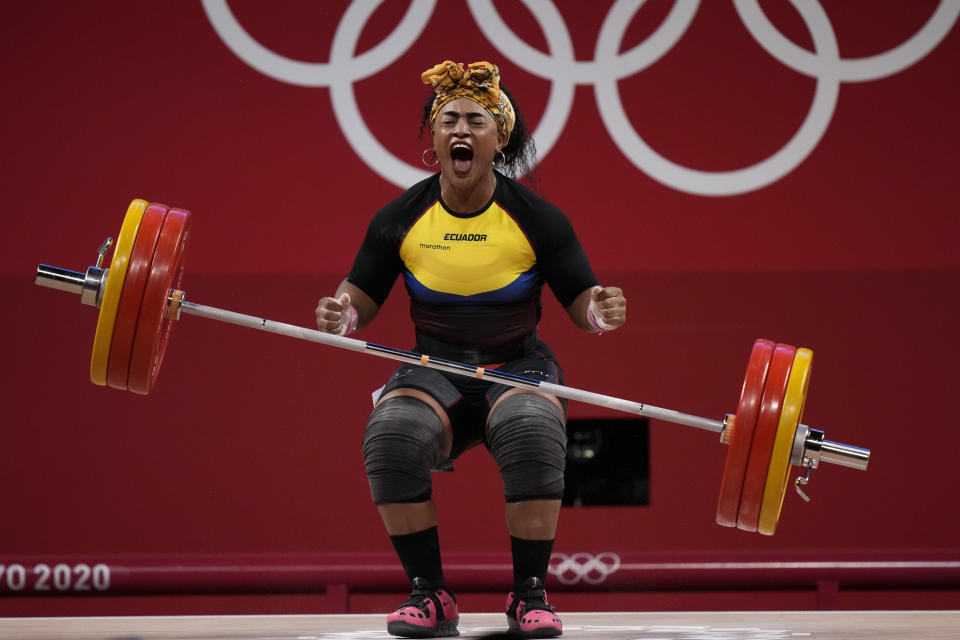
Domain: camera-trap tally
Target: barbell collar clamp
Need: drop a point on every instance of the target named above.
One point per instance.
(102, 251)
(812, 446)
(92, 293)
(803, 481)
(799, 445)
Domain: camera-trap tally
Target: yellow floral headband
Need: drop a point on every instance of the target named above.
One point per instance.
(480, 82)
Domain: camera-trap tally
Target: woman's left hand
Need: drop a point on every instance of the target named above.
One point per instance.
(607, 309)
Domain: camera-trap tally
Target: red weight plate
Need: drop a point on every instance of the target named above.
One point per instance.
(153, 327)
(128, 310)
(751, 498)
(731, 483)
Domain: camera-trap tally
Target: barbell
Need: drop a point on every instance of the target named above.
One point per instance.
(140, 298)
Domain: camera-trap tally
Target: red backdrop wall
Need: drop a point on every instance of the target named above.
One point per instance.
(251, 442)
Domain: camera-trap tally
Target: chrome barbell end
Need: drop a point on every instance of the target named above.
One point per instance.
(88, 285)
(810, 449)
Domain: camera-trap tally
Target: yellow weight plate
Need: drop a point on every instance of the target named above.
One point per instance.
(100, 358)
(778, 472)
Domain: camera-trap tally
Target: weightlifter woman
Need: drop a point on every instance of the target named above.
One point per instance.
(475, 248)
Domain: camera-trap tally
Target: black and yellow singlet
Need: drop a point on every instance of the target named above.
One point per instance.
(474, 280)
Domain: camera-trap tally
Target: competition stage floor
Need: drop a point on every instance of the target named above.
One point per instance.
(815, 625)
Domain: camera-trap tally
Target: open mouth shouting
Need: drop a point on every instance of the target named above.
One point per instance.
(461, 158)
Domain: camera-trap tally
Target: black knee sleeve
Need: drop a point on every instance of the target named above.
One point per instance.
(402, 443)
(526, 434)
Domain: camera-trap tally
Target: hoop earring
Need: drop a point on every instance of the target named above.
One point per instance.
(503, 160)
(423, 157)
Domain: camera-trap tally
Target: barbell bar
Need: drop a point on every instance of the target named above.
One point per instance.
(140, 298)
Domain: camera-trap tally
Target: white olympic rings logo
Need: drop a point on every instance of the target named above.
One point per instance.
(586, 567)
(608, 67)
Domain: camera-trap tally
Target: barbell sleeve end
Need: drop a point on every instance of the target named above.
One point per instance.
(844, 455)
(88, 285)
(814, 449)
(60, 279)
(817, 450)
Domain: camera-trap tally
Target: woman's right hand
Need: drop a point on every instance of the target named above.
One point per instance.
(336, 315)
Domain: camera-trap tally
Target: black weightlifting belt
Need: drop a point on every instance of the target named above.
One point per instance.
(487, 355)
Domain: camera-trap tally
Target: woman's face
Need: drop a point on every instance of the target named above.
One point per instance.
(466, 139)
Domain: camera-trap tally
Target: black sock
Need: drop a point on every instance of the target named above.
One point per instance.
(419, 554)
(531, 559)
